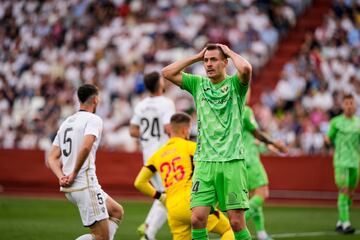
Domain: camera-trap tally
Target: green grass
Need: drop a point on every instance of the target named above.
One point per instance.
(34, 219)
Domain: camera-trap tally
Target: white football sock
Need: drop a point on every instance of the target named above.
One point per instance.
(113, 225)
(262, 234)
(346, 224)
(339, 223)
(86, 237)
(155, 219)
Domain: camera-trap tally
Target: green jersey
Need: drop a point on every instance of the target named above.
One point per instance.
(344, 133)
(219, 109)
(250, 124)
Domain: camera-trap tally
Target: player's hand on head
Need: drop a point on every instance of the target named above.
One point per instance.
(224, 48)
(201, 54)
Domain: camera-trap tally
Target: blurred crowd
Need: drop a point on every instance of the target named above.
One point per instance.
(313, 83)
(48, 48)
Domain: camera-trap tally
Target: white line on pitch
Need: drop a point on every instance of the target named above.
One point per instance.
(307, 234)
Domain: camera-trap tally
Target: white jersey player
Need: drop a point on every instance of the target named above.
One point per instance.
(72, 159)
(150, 124)
(69, 139)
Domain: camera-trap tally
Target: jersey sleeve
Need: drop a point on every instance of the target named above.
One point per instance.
(94, 127)
(190, 82)
(169, 111)
(240, 87)
(150, 164)
(56, 141)
(142, 182)
(332, 130)
(249, 120)
(191, 147)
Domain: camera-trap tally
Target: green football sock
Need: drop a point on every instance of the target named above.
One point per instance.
(255, 202)
(242, 235)
(199, 234)
(258, 218)
(343, 207)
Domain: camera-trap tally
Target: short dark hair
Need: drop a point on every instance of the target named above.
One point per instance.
(213, 46)
(86, 91)
(180, 118)
(348, 96)
(151, 81)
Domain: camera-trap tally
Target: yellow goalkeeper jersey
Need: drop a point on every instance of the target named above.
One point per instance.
(174, 162)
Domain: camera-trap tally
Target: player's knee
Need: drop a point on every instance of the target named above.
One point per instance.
(198, 220)
(237, 221)
(266, 194)
(118, 212)
(345, 191)
(101, 231)
(104, 235)
(235, 224)
(262, 192)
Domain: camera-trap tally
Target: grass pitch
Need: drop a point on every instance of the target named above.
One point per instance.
(42, 219)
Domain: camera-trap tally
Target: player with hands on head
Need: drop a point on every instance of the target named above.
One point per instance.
(220, 155)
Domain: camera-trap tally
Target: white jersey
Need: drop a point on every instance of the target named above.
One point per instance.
(70, 138)
(151, 115)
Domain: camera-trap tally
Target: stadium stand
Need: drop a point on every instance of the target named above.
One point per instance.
(312, 83)
(51, 47)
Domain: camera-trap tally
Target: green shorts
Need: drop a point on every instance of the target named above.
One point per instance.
(257, 176)
(224, 183)
(346, 177)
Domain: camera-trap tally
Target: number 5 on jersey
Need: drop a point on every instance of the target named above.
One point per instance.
(177, 170)
(67, 140)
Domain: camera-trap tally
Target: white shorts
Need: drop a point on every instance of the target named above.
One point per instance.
(91, 203)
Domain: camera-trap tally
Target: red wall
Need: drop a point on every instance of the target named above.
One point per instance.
(25, 171)
(300, 173)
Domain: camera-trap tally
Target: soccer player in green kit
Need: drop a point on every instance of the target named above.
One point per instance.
(257, 177)
(344, 134)
(220, 171)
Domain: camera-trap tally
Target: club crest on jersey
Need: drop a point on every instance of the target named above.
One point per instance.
(225, 88)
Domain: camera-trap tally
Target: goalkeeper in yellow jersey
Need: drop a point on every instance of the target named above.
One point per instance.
(174, 162)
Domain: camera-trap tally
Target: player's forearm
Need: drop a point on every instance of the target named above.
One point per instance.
(171, 71)
(262, 137)
(242, 65)
(134, 131)
(145, 188)
(55, 166)
(54, 161)
(142, 182)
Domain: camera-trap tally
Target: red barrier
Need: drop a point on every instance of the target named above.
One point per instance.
(290, 177)
(306, 173)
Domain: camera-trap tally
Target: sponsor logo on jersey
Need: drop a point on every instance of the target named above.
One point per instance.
(219, 101)
(225, 88)
(207, 89)
(232, 197)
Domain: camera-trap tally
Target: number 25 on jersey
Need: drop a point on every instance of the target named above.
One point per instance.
(174, 172)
